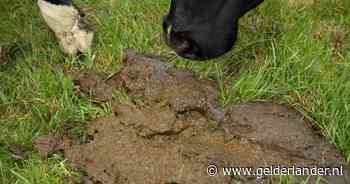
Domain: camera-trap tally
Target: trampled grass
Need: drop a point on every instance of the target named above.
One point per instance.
(289, 51)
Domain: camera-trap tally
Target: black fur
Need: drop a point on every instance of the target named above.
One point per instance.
(60, 2)
(204, 29)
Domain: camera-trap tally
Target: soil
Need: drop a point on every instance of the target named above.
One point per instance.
(180, 128)
(3, 56)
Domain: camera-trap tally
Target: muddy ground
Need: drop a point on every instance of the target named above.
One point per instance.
(3, 56)
(174, 128)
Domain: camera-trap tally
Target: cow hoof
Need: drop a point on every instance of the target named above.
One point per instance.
(73, 32)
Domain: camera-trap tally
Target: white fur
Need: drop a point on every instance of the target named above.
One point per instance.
(66, 23)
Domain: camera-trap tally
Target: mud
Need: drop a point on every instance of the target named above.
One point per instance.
(18, 151)
(3, 56)
(92, 84)
(338, 37)
(180, 129)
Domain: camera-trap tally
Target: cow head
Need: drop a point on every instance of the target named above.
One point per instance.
(204, 29)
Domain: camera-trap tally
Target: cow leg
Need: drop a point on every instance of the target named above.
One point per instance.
(72, 31)
(248, 5)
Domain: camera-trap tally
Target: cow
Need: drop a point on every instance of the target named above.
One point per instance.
(194, 29)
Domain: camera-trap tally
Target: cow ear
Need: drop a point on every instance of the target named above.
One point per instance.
(248, 5)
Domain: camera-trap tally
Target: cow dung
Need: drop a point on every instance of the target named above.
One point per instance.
(175, 128)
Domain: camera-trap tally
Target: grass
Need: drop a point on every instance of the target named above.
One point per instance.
(293, 53)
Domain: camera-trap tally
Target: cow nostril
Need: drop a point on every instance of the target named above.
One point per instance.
(178, 41)
(182, 43)
(183, 47)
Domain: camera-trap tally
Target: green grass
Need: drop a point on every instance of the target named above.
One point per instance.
(285, 53)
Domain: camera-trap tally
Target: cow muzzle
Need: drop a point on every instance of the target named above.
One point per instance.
(180, 42)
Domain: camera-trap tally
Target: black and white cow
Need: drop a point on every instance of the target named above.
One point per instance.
(195, 29)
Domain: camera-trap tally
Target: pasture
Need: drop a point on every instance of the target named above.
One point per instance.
(291, 52)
